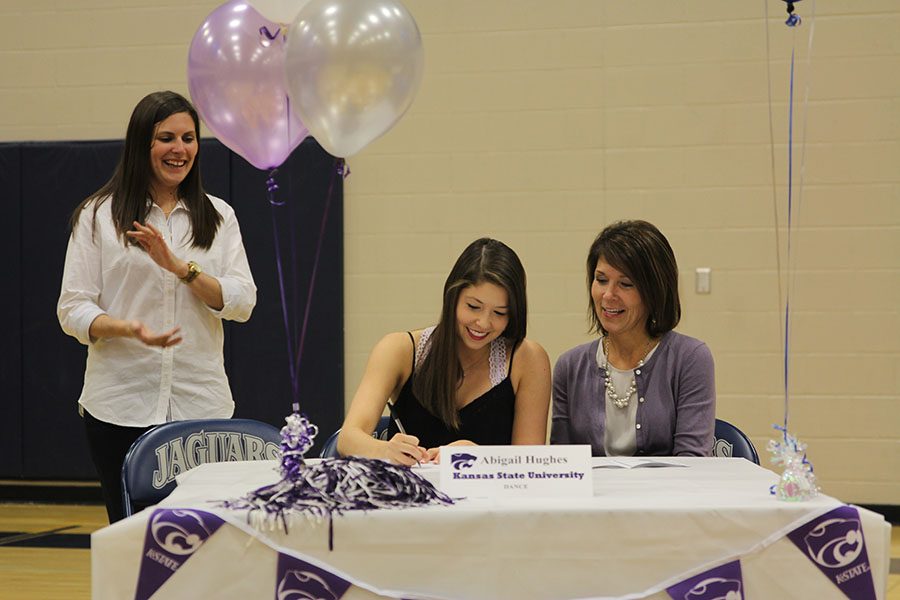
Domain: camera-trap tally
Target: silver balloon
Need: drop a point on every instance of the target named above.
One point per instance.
(352, 68)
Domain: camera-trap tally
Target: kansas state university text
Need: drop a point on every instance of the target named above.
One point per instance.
(529, 475)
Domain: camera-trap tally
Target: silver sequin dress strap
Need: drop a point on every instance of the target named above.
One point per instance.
(423, 345)
(496, 359)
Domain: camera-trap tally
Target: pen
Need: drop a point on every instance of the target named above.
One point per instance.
(397, 422)
(395, 418)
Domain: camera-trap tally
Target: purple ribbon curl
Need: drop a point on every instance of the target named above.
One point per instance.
(295, 342)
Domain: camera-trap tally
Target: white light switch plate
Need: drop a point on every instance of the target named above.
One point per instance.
(703, 285)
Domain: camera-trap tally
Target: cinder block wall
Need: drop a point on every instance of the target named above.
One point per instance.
(540, 122)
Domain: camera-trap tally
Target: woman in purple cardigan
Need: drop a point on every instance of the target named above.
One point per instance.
(641, 388)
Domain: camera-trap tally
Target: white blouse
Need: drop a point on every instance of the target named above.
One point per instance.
(127, 383)
(619, 435)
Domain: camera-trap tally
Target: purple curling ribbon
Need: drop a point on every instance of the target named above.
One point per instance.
(792, 20)
(296, 340)
(271, 188)
(264, 31)
(790, 211)
(798, 480)
(339, 170)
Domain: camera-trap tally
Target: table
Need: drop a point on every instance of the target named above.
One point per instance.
(642, 531)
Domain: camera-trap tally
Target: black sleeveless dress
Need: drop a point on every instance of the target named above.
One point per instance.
(487, 420)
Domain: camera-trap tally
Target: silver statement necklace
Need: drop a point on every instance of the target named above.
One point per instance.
(611, 393)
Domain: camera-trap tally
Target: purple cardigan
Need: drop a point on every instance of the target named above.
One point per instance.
(677, 391)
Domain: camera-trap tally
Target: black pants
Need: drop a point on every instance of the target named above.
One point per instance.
(109, 444)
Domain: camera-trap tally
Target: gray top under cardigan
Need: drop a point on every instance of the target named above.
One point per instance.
(676, 395)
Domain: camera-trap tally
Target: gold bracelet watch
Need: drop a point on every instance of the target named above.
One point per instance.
(193, 270)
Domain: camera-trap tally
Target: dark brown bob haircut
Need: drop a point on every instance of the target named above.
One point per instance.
(639, 250)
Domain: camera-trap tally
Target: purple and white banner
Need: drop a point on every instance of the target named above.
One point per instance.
(835, 543)
(724, 582)
(173, 535)
(299, 580)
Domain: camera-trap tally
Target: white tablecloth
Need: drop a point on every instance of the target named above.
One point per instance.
(643, 530)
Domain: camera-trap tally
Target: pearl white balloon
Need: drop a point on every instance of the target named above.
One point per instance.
(280, 11)
(352, 68)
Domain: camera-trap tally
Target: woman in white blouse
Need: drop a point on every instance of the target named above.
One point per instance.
(152, 268)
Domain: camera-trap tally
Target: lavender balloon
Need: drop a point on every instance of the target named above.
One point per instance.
(353, 69)
(236, 80)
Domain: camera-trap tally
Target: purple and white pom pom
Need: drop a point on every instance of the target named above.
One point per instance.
(334, 485)
(296, 439)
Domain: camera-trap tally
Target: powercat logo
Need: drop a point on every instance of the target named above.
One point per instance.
(715, 588)
(181, 532)
(462, 460)
(835, 543)
(300, 580)
(303, 585)
(172, 537)
(724, 582)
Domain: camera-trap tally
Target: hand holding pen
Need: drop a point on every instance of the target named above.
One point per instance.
(403, 448)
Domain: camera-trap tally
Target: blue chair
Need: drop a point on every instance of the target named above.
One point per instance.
(329, 450)
(158, 455)
(732, 442)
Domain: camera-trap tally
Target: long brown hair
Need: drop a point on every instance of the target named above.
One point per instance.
(129, 187)
(438, 376)
(639, 250)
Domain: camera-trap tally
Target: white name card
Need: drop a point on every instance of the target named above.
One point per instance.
(523, 471)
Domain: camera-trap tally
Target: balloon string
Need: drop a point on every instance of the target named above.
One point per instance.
(787, 304)
(271, 188)
(792, 258)
(776, 219)
(295, 282)
(293, 242)
(339, 169)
